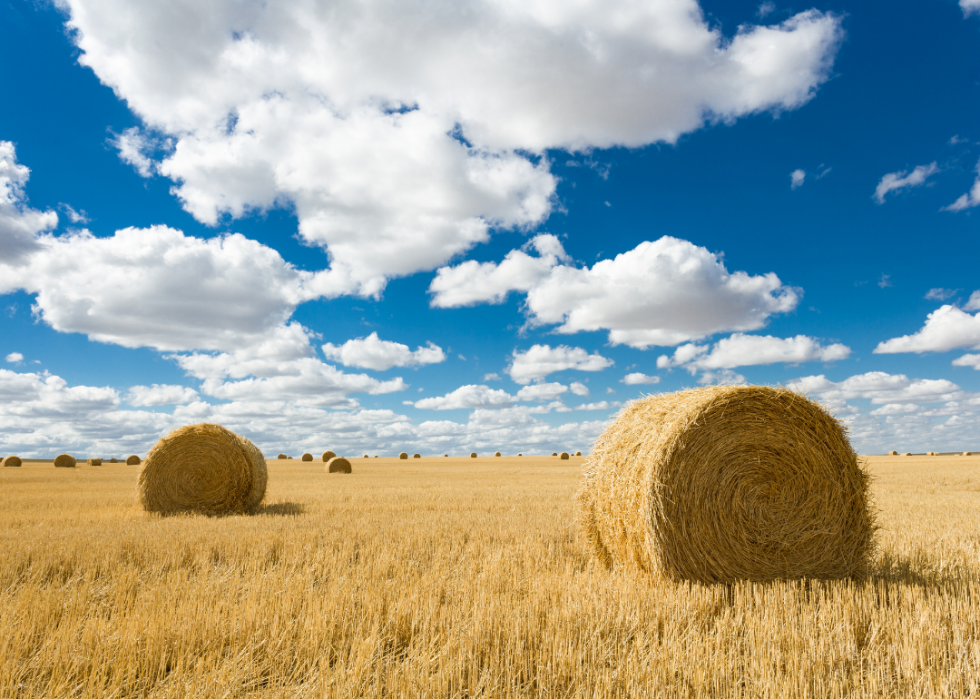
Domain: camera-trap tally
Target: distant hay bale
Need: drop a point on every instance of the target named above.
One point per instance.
(893, 453)
(133, 460)
(578, 453)
(282, 456)
(554, 453)
(416, 456)
(564, 456)
(472, 454)
(365, 456)
(327, 455)
(307, 457)
(520, 455)
(728, 483)
(94, 462)
(64, 461)
(13, 461)
(908, 453)
(338, 464)
(203, 468)
(403, 455)
(113, 460)
(496, 453)
(930, 453)
(966, 453)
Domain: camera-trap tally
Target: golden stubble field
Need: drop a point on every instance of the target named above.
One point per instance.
(458, 577)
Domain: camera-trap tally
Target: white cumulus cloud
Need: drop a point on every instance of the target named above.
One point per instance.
(466, 397)
(542, 391)
(15, 357)
(895, 181)
(373, 353)
(970, 7)
(367, 119)
(946, 328)
(19, 224)
(160, 394)
(578, 388)
(879, 387)
(541, 360)
(968, 360)
(638, 378)
(796, 179)
(752, 350)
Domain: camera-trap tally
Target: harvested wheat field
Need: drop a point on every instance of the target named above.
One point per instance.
(460, 577)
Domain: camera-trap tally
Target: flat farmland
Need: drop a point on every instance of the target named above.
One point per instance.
(458, 577)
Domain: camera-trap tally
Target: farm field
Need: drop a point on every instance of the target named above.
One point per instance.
(458, 577)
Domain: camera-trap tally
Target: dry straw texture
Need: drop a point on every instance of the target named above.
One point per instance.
(338, 464)
(496, 453)
(403, 455)
(133, 460)
(94, 462)
(12, 461)
(327, 455)
(416, 456)
(203, 468)
(893, 453)
(728, 483)
(64, 461)
(472, 454)
(282, 456)
(564, 456)
(307, 457)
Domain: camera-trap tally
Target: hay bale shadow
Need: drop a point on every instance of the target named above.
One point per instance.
(281, 509)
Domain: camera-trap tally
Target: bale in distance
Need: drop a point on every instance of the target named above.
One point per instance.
(563, 456)
(113, 460)
(203, 468)
(403, 455)
(64, 461)
(966, 453)
(578, 453)
(893, 453)
(416, 456)
(365, 456)
(554, 453)
(133, 460)
(728, 483)
(94, 462)
(307, 457)
(496, 453)
(931, 453)
(908, 453)
(520, 455)
(472, 454)
(327, 455)
(338, 464)
(13, 461)
(282, 456)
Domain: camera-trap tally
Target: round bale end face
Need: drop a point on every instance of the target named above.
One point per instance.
(893, 453)
(554, 453)
(967, 453)
(366, 456)
(578, 453)
(403, 455)
(520, 455)
(203, 468)
(133, 460)
(94, 462)
(908, 453)
(473, 455)
(496, 453)
(282, 456)
(338, 464)
(64, 461)
(113, 460)
(13, 461)
(416, 456)
(327, 455)
(307, 457)
(706, 485)
(564, 456)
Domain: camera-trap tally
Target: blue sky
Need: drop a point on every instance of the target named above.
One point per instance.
(385, 226)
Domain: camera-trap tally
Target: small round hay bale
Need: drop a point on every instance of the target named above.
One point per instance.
(578, 453)
(366, 456)
(94, 462)
(908, 453)
(966, 453)
(282, 456)
(327, 455)
(113, 460)
(563, 456)
(416, 456)
(403, 455)
(13, 461)
(520, 455)
(338, 464)
(554, 453)
(893, 453)
(307, 457)
(445, 454)
(472, 454)
(133, 460)
(375, 456)
(728, 483)
(496, 453)
(203, 468)
(931, 453)
(64, 461)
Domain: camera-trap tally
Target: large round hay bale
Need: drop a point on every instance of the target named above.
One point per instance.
(64, 461)
(403, 455)
(893, 453)
(564, 456)
(496, 453)
(472, 454)
(416, 456)
(94, 462)
(13, 461)
(203, 468)
(133, 460)
(327, 455)
(338, 464)
(307, 457)
(728, 483)
(282, 456)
